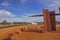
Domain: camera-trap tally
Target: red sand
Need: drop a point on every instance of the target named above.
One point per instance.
(28, 35)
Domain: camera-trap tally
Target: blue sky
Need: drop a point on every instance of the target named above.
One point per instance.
(19, 10)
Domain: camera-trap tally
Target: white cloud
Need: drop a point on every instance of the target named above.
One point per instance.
(6, 14)
(23, 1)
(50, 4)
(24, 18)
(5, 3)
(58, 18)
(32, 19)
(55, 3)
(12, 19)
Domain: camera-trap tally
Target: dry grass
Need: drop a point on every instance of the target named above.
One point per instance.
(4, 33)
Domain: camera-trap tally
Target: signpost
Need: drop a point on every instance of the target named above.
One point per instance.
(49, 19)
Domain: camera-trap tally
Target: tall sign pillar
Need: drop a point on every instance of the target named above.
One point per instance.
(47, 20)
(53, 22)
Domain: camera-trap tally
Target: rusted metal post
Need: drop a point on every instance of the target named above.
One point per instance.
(53, 22)
(47, 20)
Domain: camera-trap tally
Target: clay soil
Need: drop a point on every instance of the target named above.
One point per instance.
(15, 33)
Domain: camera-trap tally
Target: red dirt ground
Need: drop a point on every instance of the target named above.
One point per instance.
(4, 33)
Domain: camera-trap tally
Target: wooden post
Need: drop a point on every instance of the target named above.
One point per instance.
(47, 20)
(53, 22)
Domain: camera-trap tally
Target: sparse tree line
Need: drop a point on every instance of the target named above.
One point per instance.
(22, 23)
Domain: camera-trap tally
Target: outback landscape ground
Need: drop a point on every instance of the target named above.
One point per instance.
(15, 33)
